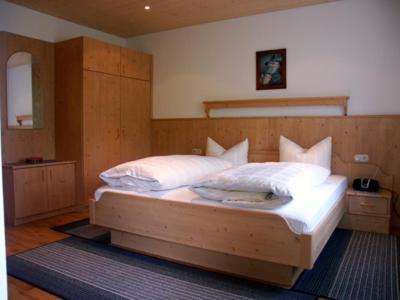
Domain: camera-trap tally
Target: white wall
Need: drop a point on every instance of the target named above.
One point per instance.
(27, 22)
(349, 47)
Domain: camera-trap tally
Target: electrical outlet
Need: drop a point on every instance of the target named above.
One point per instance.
(361, 158)
(196, 151)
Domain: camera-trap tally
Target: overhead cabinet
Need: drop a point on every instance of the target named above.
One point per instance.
(136, 64)
(103, 108)
(111, 59)
(101, 57)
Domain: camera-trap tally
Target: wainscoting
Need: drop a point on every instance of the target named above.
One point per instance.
(377, 136)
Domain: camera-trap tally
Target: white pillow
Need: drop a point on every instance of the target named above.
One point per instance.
(213, 148)
(319, 154)
(237, 155)
(163, 172)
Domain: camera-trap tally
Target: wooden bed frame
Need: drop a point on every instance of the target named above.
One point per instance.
(252, 244)
(247, 243)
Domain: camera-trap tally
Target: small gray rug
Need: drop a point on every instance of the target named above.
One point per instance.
(84, 229)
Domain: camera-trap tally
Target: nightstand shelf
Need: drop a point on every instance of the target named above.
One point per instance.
(367, 211)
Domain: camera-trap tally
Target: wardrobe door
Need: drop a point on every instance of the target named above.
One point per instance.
(135, 118)
(101, 57)
(101, 133)
(135, 64)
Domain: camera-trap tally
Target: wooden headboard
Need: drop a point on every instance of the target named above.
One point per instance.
(263, 155)
(377, 136)
(349, 169)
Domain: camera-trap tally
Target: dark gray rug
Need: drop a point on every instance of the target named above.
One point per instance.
(76, 268)
(353, 265)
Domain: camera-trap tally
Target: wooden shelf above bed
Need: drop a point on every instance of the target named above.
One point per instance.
(278, 102)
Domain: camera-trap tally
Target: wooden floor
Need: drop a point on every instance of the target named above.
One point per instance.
(28, 236)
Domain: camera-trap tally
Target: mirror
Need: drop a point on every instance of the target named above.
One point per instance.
(24, 96)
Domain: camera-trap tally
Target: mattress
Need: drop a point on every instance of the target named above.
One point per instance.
(303, 213)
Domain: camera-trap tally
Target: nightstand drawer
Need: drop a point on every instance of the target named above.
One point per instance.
(365, 223)
(368, 205)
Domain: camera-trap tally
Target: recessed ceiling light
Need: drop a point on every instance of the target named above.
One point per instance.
(147, 7)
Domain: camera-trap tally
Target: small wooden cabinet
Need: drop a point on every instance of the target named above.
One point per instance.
(37, 191)
(367, 211)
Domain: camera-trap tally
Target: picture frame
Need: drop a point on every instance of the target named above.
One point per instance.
(271, 69)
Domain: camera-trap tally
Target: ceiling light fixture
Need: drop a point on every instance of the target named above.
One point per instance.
(147, 7)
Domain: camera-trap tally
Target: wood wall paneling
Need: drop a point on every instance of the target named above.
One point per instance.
(19, 144)
(69, 106)
(377, 136)
(127, 18)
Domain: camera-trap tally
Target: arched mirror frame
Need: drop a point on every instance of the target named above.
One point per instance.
(37, 96)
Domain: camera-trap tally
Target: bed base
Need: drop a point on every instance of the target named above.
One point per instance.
(245, 243)
(276, 274)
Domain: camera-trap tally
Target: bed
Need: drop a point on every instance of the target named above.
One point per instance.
(264, 245)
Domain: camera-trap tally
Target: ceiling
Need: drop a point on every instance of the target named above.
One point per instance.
(127, 18)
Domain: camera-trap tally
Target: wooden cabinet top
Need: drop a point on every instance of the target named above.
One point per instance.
(381, 194)
(45, 163)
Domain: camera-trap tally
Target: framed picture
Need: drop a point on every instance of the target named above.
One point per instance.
(271, 69)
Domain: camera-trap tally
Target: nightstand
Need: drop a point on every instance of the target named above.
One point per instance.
(367, 211)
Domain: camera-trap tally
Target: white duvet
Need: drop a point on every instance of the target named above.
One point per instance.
(163, 172)
(255, 182)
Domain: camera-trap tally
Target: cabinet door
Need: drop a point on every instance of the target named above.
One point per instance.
(30, 191)
(135, 64)
(101, 133)
(135, 118)
(101, 57)
(61, 186)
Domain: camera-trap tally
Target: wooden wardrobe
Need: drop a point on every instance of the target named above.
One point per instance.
(102, 108)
